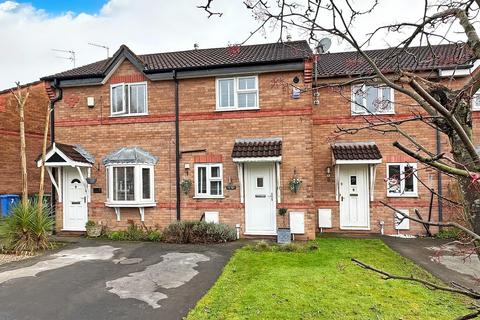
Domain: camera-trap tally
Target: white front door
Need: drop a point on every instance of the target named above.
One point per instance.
(74, 202)
(260, 199)
(354, 197)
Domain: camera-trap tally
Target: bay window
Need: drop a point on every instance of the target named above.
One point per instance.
(237, 93)
(128, 98)
(402, 180)
(209, 180)
(129, 184)
(369, 99)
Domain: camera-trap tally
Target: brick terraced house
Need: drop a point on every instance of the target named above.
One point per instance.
(233, 134)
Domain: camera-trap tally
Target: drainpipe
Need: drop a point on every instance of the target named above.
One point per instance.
(439, 179)
(56, 86)
(177, 147)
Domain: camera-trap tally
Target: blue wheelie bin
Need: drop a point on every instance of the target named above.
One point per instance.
(7, 201)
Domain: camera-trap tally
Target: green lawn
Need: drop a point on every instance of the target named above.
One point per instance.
(323, 284)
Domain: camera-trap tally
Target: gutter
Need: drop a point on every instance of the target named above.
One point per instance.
(177, 147)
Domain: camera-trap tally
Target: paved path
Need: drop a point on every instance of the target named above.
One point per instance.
(111, 280)
(444, 264)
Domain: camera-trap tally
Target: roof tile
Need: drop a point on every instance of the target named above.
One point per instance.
(423, 58)
(356, 151)
(203, 58)
(257, 148)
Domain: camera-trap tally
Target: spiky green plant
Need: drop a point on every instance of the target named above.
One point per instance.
(27, 228)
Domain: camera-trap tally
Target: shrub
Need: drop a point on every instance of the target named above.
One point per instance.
(117, 235)
(27, 228)
(135, 233)
(449, 233)
(90, 223)
(199, 232)
(154, 236)
(264, 246)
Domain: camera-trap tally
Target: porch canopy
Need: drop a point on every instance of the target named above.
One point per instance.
(61, 155)
(130, 155)
(359, 153)
(356, 153)
(257, 150)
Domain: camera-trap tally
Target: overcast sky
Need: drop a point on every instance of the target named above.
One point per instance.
(30, 30)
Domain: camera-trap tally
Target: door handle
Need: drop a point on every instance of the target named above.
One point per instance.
(341, 198)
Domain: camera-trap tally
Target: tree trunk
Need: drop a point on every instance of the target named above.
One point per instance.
(470, 189)
(41, 189)
(23, 156)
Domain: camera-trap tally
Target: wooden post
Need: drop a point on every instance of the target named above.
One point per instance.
(41, 189)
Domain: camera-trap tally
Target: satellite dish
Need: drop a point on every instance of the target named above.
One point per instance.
(324, 45)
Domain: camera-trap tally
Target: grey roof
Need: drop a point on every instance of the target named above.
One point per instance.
(268, 53)
(422, 58)
(133, 155)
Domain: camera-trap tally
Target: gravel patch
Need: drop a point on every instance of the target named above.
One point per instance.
(6, 258)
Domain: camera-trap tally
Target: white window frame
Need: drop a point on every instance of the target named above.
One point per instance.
(209, 178)
(138, 185)
(475, 107)
(402, 193)
(236, 91)
(363, 88)
(125, 99)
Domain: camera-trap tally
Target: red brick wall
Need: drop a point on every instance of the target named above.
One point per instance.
(35, 111)
(335, 110)
(201, 127)
(306, 129)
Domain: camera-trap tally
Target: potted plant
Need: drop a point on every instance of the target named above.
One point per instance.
(295, 183)
(94, 230)
(283, 233)
(186, 185)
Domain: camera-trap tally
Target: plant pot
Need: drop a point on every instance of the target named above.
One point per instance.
(94, 231)
(284, 235)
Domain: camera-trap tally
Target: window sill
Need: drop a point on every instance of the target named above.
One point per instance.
(373, 114)
(235, 109)
(128, 115)
(208, 197)
(130, 204)
(402, 196)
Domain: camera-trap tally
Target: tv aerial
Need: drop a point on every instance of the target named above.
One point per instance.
(71, 55)
(101, 46)
(323, 45)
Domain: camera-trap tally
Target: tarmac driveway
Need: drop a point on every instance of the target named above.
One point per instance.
(111, 280)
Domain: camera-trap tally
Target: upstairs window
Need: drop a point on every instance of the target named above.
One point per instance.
(128, 99)
(401, 181)
(209, 180)
(476, 101)
(238, 93)
(368, 99)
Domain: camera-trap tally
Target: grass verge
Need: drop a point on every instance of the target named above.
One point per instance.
(323, 284)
